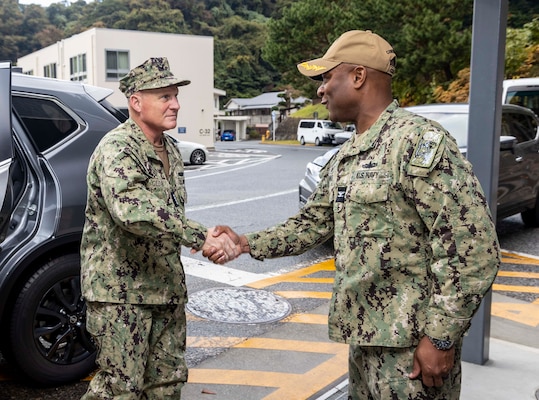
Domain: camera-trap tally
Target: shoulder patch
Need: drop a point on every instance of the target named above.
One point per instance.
(426, 149)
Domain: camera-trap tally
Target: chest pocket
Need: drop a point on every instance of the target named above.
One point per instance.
(368, 209)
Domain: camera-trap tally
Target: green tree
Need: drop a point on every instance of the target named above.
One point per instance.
(431, 38)
(305, 30)
(522, 51)
(239, 68)
(152, 15)
(10, 37)
(37, 29)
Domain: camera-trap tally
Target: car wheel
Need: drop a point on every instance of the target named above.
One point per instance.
(531, 217)
(198, 157)
(317, 142)
(48, 329)
(302, 141)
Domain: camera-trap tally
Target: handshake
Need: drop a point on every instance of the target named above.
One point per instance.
(223, 245)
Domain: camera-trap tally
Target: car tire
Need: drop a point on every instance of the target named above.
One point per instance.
(317, 142)
(531, 217)
(50, 341)
(198, 157)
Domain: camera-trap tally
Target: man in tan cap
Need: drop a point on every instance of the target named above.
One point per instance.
(415, 246)
(132, 276)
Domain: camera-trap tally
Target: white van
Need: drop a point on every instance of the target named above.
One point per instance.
(317, 131)
(523, 92)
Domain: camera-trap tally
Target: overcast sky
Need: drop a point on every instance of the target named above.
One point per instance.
(44, 3)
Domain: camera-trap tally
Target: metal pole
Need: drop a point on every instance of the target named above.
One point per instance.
(487, 67)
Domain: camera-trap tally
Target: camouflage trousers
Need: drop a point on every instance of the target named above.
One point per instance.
(141, 351)
(381, 373)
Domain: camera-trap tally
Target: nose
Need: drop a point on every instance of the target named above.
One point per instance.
(320, 90)
(175, 104)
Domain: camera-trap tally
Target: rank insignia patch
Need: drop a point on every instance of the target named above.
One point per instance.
(425, 150)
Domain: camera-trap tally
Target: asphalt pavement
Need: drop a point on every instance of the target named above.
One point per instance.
(511, 372)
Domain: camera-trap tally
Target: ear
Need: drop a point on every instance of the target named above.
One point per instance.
(135, 102)
(359, 75)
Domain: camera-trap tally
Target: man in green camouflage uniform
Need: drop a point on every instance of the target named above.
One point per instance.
(132, 275)
(415, 245)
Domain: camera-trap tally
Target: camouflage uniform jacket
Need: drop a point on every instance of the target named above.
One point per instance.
(415, 245)
(135, 222)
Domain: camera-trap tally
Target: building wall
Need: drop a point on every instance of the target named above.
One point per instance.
(190, 57)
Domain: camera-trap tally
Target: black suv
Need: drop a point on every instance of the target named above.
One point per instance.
(44, 153)
(518, 179)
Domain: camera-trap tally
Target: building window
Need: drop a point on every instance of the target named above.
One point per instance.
(77, 68)
(49, 70)
(117, 64)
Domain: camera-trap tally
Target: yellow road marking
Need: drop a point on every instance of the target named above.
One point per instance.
(519, 258)
(288, 386)
(298, 294)
(527, 314)
(297, 275)
(291, 345)
(308, 319)
(518, 274)
(511, 288)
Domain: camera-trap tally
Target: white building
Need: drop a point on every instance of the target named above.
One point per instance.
(261, 112)
(101, 57)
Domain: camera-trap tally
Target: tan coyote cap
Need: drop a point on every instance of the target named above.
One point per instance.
(154, 73)
(353, 47)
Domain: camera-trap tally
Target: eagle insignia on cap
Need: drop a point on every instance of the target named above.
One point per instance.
(426, 149)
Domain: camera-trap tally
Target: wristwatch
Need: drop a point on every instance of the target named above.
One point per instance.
(441, 344)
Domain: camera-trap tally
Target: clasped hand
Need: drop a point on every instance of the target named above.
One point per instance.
(222, 245)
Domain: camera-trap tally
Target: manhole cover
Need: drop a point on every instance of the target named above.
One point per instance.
(238, 305)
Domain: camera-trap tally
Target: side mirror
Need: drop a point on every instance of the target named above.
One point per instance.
(507, 142)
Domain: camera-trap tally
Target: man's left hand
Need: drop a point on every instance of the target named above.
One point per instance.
(431, 364)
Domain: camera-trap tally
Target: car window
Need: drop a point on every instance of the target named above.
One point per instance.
(523, 127)
(525, 98)
(45, 120)
(307, 124)
(332, 125)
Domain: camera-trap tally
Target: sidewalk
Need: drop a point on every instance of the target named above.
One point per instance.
(511, 373)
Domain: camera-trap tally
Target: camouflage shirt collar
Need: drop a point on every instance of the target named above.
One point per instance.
(367, 139)
(141, 140)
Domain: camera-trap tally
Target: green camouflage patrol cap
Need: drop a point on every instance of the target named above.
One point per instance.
(353, 47)
(152, 74)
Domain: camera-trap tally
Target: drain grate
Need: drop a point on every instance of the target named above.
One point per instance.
(238, 305)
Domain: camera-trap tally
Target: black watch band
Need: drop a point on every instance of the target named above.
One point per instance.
(441, 344)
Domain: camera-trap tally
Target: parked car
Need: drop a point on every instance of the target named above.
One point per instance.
(523, 92)
(48, 131)
(518, 180)
(341, 137)
(192, 153)
(317, 131)
(228, 135)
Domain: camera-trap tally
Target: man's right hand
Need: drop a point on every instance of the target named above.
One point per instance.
(223, 244)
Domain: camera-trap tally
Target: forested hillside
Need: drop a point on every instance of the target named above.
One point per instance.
(258, 42)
